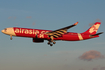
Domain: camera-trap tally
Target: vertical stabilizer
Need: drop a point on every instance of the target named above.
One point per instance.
(93, 30)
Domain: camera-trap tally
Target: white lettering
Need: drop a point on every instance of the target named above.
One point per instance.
(33, 31)
(22, 30)
(26, 31)
(17, 30)
(30, 32)
(42, 32)
(36, 32)
(42, 35)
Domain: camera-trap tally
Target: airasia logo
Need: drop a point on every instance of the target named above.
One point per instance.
(94, 28)
(30, 31)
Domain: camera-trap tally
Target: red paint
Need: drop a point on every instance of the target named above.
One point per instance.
(27, 32)
(94, 29)
(39, 35)
(33, 33)
(70, 36)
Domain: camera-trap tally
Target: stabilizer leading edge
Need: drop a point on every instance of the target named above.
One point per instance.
(97, 34)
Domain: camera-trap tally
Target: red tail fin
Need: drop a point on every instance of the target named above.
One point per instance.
(93, 30)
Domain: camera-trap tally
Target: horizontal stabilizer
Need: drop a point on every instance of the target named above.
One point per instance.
(97, 34)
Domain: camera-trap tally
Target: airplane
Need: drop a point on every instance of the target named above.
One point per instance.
(39, 35)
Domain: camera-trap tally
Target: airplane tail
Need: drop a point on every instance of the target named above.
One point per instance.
(93, 30)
